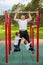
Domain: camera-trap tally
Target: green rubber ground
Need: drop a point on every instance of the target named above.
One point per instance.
(23, 57)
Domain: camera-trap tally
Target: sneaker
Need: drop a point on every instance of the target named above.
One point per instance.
(33, 50)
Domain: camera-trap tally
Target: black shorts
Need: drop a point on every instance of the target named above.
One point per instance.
(25, 35)
(16, 48)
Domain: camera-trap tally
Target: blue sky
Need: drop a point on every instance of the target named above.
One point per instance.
(7, 4)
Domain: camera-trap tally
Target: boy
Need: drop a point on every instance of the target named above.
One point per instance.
(28, 45)
(16, 42)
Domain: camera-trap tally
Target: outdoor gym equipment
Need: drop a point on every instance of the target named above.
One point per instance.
(8, 33)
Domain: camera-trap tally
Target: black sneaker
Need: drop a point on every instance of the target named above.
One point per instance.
(31, 49)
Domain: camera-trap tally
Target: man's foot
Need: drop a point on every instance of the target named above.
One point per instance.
(32, 49)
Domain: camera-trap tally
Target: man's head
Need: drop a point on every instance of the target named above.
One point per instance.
(23, 17)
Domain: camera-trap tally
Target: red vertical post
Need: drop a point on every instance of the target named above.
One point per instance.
(9, 32)
(37, 23)
(30, 33)
(6, 15)
(32, 37)
(10, 35)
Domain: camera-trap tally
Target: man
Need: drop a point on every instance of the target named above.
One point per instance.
(23, 25)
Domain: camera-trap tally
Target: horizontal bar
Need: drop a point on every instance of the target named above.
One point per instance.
(19, 12)
(24, 12)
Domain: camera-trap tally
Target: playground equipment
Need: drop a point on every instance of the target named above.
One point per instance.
(8, 33)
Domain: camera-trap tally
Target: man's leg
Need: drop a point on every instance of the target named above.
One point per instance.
(21, 35)
(32, 49)
(26, 36)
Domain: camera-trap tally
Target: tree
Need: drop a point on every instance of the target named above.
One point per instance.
(35, 4)
(28, 7)
(41, 3)
(14, 7)
(19, 6)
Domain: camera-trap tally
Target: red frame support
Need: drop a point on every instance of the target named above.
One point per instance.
(37, 23)
(9, 33)
(32, 35)
(6, 36)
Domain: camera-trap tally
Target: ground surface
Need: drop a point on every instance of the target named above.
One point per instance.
(40, 41)
(23, 57)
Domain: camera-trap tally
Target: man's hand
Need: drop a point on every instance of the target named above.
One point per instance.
(16, 16)
(30, 17)
(28, 12)
(17, 12)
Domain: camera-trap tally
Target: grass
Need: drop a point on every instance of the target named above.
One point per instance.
(15, 29)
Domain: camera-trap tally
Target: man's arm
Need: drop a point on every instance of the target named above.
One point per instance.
(15, 17)
(30, 17)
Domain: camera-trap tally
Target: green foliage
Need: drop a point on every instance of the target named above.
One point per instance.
(14, 29)
(35, 4)
(1, 19)
(16, 7)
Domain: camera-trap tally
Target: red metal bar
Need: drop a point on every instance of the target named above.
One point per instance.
(6, 37)
(10, 36)
(30, 33)
(32, 38)
(37, 57)
(37, 23)
(9, 33)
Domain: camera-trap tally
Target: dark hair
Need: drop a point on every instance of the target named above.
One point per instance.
(16, 33)
(25, 42)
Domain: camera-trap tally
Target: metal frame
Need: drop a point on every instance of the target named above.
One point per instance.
(37, 24)
(19, 12)
(22, 12)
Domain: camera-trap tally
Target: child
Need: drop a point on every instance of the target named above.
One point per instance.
(17, 42)
(28, 46)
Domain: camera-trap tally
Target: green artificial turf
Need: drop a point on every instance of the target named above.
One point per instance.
(23, 57)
